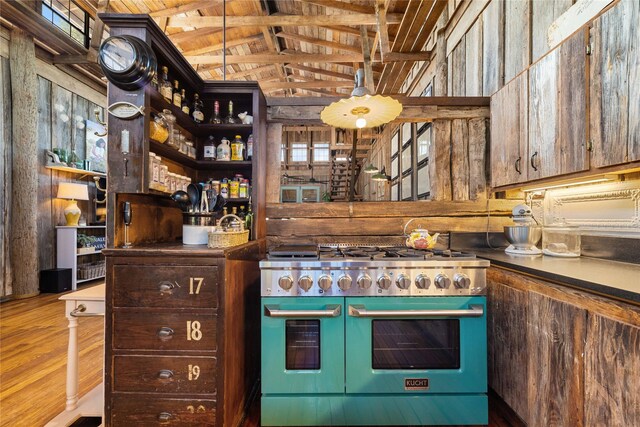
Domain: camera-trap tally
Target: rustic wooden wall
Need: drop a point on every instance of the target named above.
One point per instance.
(380, 222)
(74, 98)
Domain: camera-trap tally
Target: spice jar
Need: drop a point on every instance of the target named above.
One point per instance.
(158, 128)
(244, 189)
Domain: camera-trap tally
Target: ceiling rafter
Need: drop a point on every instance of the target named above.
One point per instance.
(342, 5)
(321, 71)
(319, 42)
(189, 7)
(218, 46)
(280, 20)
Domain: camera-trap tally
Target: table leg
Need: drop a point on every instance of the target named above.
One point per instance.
(72, 363)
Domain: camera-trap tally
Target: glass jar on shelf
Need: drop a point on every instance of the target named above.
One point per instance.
(170, 119)
(182, 147)
(191, 150)
(158, 128)
(164, 171)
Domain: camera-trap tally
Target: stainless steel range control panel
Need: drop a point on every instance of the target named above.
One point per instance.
(373, 278)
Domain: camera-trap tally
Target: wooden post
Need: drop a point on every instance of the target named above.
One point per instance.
(354, 160)
(274, 142)
(440, 83)
(24, 209)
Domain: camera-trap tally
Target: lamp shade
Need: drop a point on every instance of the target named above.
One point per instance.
(69, 190)
(376, 110)
(381, 176)
(371, 169)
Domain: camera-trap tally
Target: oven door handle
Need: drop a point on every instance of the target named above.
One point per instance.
(474, 310)
(275, 311)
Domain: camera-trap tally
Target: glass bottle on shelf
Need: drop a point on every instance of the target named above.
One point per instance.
(209, 149)
(242, 214)
(185, 103)
(250, 147)
(215, 117)
(237, 149)
(224, 150)
(234, 210)
(230, 119)
(165, 86)
(248, 219)
(197, 114)
(177, 97)
(154, 81)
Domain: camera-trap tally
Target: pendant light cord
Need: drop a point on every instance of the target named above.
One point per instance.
(224, 40)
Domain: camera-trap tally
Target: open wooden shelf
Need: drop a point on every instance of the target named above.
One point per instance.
(164, 150)
(76, 171)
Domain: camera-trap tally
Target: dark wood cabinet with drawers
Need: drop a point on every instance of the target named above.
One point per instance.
(182, 335)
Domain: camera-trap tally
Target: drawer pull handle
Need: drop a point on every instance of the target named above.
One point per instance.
(165, 374)
(164, 417)
(165, 332)
(166, 286)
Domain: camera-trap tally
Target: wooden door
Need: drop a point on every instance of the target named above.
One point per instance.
(556, 333)
(509, 133)
(557, 111)
(615, 86)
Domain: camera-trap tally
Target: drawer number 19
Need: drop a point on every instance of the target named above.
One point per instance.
(193, 330)
(194, 372)
(194, 285)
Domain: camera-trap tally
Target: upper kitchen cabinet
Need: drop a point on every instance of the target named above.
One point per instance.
(558, 111)
(615, 86)
(509, 133)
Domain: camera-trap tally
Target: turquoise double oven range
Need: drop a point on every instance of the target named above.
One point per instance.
(373, 336)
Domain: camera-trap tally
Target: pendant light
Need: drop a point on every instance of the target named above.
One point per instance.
(362, 109)
(381, 176)
(371, 169)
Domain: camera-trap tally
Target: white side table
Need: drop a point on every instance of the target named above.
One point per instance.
(84, 303)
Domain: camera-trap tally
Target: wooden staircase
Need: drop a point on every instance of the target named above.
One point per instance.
(341, 170)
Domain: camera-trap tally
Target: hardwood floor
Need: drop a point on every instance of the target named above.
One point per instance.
(33, 359)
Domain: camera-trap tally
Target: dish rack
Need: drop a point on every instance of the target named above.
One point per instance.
(225, 238)
(91, 270)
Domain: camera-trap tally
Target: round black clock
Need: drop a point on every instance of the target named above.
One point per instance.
(127, 61)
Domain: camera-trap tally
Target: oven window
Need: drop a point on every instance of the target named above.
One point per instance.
(416, 344)
(303, 344)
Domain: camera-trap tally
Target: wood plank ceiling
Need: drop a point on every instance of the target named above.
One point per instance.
(297, 47)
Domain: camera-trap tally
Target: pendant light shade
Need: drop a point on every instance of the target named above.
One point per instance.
(381, 176)
(361, 110)
(371, 169)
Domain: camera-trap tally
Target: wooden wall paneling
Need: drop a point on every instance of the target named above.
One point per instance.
(492, 47)
(458, 72)
(61, 121)
(440, 161)
(543, 13)
(473, 60)
(612, 363)
(450, 74)
(460, 159)
(509, 132)
(507, 313)
(634, 85)
(24, 176)
(543, 117)
(571, 138)
(5, 177)
(556, 332)
(440, 79)
(517, 38)
(46, 190)
(478, 142)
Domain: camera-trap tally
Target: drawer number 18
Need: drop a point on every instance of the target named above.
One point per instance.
(193, 330)
(194, 285)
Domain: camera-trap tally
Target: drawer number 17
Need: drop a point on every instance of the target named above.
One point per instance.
(193, 330)
(194, 285)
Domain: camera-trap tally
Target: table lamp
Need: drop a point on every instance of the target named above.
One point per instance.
(72, 192)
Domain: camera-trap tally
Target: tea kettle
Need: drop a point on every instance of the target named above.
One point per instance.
(419, 238)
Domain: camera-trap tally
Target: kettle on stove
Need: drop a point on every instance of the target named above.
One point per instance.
(419, 238)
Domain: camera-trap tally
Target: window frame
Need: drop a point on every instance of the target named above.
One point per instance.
(85, 31)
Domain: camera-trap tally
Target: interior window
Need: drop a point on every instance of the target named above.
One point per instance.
(298, 152)
(320, 153)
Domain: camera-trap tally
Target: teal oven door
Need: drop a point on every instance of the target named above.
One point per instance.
(302, 345)
(416, 345)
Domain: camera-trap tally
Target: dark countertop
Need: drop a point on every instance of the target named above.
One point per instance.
(619, 280)
(250, 250)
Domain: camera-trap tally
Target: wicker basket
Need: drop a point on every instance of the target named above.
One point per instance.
(227, 239)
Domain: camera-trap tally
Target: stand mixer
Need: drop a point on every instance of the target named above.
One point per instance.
(525, 235)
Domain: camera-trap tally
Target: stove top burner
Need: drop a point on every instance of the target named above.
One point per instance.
(388, 253)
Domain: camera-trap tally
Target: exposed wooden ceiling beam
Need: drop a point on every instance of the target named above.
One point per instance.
(319, 42)
(280, 20)
(218, 46)
(184, 36)
(348, 30)
(274, 58)
(366, 57)
(250, 72)
(321, 72)
(189, 7)
(383, 31)
(342, 5)
(317, 84)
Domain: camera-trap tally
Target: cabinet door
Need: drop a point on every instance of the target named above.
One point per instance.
(556, 333)
(509, 133)
(557, 111)
(615, 86)
(612, 363)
